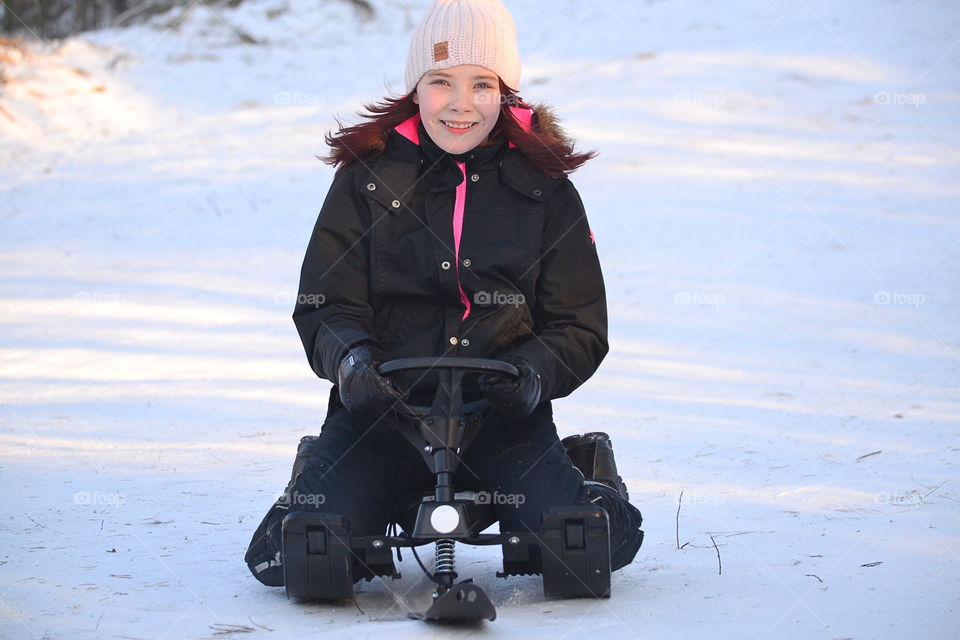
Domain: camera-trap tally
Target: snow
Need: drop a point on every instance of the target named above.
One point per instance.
(775, 204)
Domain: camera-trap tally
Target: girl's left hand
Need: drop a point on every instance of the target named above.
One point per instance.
(513, 397)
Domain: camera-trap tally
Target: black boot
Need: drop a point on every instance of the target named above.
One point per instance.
(592, 454)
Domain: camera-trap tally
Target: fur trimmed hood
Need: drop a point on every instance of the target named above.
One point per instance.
(545, 121)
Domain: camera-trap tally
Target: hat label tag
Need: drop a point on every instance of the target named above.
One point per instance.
(440, 51)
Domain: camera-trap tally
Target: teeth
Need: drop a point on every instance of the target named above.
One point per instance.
(458, 126)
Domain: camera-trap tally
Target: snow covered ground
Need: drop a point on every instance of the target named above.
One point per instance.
(776, 207)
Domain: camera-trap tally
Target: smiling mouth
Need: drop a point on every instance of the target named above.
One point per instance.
(459, 125)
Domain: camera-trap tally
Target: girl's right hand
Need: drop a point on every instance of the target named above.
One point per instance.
(362, 389)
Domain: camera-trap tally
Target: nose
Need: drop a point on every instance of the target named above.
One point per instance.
(462, 101)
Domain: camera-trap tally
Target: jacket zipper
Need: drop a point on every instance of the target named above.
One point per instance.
(458, 207)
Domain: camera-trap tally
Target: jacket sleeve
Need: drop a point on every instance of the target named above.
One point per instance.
(333, 307)
(570, 311)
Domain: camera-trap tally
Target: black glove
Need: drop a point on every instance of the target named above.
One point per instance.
(513, 397)
(362, 389)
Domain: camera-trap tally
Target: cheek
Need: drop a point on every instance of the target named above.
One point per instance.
(425, 105)
(424, 109)
(491, 114)
(489, 106)
(428, 102)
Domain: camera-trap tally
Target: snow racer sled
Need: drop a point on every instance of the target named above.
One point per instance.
(322, 560)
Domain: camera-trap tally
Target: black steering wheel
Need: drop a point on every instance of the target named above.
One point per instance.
(456, 368)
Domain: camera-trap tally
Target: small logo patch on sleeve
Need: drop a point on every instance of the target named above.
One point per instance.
(440, 51)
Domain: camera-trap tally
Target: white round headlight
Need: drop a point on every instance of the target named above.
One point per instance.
(444, 519)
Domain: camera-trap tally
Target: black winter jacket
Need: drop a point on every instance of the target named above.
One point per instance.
(381, 265)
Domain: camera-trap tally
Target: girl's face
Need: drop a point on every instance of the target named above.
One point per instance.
(459, 106)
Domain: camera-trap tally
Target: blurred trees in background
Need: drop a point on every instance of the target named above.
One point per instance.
(60, 18)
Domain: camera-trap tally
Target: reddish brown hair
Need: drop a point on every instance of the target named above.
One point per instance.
(545, 145)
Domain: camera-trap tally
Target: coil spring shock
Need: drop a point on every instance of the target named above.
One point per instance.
(445, 556)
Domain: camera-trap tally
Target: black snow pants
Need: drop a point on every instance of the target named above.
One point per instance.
(362, 469)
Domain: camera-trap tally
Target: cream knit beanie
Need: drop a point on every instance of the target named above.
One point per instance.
(456, 32)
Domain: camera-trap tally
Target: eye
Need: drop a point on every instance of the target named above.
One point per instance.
(484, 85)
(438, 81)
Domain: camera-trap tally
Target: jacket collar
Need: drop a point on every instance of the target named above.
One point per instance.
(410, 130)
(514, 168)
(477, 158)
(413, 130)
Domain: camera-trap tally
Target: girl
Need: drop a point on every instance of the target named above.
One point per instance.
(451, 229)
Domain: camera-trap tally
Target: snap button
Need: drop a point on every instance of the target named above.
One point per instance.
(465, 343)
(453, 340)
(444, 265)
(537, 192)
(475, 177)
(371, 187)
(466, 262)
(396, 204)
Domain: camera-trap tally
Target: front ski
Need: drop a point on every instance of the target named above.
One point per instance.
(463, 602)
